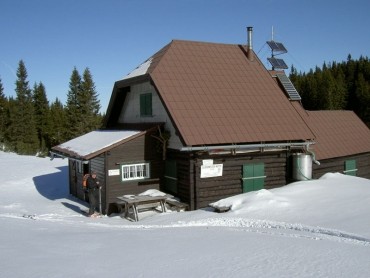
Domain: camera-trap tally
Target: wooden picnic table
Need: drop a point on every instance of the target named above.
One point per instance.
(134, 201)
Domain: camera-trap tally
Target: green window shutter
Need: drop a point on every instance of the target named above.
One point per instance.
(142, 105)
(259, 176)
(248, 182)
(170, 176)
(146, 104)
(350, 167)
(253, 177)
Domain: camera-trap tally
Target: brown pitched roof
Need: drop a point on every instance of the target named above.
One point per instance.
(338, 133)
(215, 95)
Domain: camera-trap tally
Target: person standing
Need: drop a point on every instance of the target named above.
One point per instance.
(93, 192)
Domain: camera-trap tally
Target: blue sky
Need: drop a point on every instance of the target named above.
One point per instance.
(113, 37)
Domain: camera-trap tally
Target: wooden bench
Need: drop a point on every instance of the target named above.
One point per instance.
(147, 202)
(179, 206)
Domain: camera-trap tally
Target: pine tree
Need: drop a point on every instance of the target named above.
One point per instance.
(42, 117)
(57, 123)
(82, 105)
(73, 116)
(89, 103)
(24, 127)
(327, 90)
(10, 120)
(363, 95)
(340, 89)
(3, 114)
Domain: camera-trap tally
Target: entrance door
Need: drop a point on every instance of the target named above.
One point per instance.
(73, 177)
(170, 176)
(253, 176)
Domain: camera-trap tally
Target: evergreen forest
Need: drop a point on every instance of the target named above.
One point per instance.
(336, 86)
(31, 125)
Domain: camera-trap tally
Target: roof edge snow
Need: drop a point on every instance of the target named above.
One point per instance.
(140, 70)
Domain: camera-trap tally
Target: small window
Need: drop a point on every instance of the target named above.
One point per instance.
(135, 171)
(350, 167)
(146, 105)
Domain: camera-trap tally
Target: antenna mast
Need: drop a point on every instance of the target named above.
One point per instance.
(272, 32)
(277, 48)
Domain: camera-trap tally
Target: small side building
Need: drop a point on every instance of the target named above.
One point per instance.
(126, 162)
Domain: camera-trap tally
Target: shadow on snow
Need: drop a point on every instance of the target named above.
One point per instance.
(53, 186)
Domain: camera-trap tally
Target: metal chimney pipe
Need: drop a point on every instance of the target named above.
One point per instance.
(250, 55)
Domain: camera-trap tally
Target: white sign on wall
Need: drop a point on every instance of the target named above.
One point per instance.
(113, 172)
(209, 170)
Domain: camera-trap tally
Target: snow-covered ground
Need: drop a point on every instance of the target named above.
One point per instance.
(317, 228)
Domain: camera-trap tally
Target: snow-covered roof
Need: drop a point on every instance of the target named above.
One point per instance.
(140, 70)
(94, 141)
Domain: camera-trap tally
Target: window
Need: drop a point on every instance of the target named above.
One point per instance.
(350, 167)
(146, 104)
(135, 171)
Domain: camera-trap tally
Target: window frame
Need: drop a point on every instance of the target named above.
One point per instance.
(135, 171)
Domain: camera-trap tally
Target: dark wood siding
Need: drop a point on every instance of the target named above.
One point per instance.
(185, 174)
(139, 150)
(337, 165)
(199, 192)
(72, 177)
(208, 190)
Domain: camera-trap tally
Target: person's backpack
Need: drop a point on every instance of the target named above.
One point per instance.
(84, 181)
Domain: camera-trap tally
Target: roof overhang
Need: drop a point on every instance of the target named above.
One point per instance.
(258, 146)
(92, 144)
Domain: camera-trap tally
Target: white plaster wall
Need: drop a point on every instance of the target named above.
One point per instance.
(131, 111)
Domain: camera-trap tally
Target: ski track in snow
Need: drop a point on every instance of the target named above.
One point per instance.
(272, 228)
(260, 226)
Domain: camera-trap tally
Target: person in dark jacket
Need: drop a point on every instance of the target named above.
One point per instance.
(93, 191)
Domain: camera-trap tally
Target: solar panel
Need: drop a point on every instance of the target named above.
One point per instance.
(277, 63)
(277, 46)
(288, 86)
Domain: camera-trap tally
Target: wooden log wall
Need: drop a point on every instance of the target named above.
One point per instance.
(199, 192)
(338, 165)
(208, 190)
